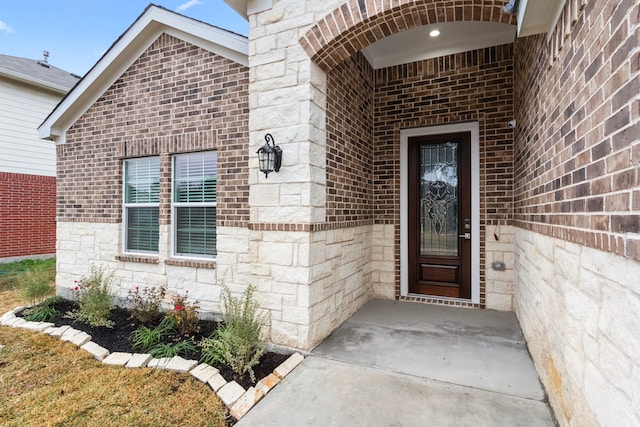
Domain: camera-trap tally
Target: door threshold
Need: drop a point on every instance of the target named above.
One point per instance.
(435, 299)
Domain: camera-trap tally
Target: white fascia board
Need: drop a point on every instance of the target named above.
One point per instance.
(127, 50)
(33, 81)
(257, 6)
(538, 16)
(249, 7)
(239, 6)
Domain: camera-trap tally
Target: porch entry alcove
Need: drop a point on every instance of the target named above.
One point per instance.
(439, 212)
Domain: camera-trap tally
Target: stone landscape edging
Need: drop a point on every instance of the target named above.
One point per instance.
(238, 400)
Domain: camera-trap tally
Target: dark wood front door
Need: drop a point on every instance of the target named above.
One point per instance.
(439, 223)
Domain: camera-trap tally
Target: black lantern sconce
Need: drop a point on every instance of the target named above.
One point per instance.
(269, 156)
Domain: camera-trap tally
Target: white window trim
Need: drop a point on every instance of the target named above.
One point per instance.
(174, 205)
(125, 206)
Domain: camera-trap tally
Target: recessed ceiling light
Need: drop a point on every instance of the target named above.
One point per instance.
(434, 33)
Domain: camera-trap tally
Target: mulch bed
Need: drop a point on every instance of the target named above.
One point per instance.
(116, 339)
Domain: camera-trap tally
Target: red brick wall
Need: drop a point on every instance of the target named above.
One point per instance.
(469, 86)
(27, 215)
(356, 24)
(363, 131)
(350, 90)
(175, 98)
(577, 154)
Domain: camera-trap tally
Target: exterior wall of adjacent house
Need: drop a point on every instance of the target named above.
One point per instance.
(175, 98)
(577, 158)
(27, 172)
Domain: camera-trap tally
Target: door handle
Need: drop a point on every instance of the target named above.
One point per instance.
(466, 236)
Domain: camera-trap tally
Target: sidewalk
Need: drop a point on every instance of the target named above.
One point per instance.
(407, 364)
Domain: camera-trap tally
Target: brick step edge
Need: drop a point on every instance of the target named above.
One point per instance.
(237, 400)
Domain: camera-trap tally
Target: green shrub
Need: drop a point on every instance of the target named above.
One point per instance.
(184, 315)
(237, 343)
(94, 297)
(36, 285)
(145, 303)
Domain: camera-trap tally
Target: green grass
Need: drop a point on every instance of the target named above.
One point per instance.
(10, 273)
(47, 382)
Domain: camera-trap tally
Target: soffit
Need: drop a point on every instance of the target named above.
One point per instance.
(416, 44)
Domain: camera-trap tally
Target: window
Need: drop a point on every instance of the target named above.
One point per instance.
(141, 197)
(194, 204)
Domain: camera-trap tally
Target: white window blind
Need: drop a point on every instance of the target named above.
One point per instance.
(141, 198)
(194, 204)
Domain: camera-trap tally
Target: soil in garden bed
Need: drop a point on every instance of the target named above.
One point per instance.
(116, 339)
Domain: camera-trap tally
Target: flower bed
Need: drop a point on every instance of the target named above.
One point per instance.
(116, 338)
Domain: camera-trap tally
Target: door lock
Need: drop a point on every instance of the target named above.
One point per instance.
(467, 224)
(466, 236)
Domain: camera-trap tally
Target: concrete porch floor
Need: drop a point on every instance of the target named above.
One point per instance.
(407, 364)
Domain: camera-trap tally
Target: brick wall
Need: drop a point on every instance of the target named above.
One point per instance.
(175, 98)
(577, 155)
(577, 201)
(470, 86)
(350, 120)
(27, 215)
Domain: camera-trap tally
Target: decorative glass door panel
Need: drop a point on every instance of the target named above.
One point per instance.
(439, 199)
(439, 222)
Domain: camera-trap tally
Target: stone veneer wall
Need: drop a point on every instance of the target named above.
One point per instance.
(175, 98)
(469, 86)
(577, 210)
(311, 274)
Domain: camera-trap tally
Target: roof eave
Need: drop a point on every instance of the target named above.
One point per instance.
(539, 16)
(33, 81)
(127, 49)
(239, 6)
(249, 7)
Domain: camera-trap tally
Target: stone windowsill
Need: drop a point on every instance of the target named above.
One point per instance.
(138, 258)
(191, 263)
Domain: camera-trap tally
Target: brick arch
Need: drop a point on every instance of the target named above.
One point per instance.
(359, 23)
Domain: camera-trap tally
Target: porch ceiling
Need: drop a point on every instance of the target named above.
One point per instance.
(416, 44)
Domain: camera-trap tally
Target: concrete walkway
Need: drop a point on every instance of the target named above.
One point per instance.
(407, 364)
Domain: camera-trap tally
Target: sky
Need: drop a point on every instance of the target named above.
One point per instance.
(78, 32)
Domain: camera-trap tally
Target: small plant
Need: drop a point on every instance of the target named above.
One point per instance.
(185, 315)
(94, 298)
(184, 348)
(146, 302)
(43, 312)
(237, 343)
(145, 338)
(36, 285)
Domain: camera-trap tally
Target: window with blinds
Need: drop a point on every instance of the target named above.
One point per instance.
(194, 204)
(141, 198)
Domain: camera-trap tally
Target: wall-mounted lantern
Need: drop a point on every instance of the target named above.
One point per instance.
(269, 156)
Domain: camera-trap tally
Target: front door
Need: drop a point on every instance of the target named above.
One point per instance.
(439, 222)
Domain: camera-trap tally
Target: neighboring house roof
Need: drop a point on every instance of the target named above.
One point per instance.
(37, 73)
(153, 22)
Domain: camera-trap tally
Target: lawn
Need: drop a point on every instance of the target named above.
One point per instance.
(47, 382)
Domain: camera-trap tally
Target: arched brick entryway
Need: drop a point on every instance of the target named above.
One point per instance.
(358, 23)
